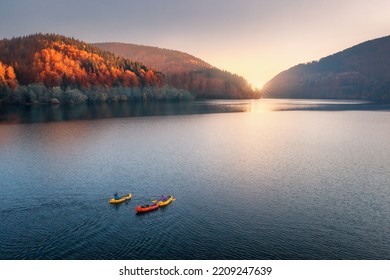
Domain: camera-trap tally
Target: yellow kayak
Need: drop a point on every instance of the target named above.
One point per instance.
(165, 202)
(121, 199)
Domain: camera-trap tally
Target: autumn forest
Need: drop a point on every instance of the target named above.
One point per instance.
(50, 68)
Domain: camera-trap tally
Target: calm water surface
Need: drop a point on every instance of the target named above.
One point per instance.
(271, 179)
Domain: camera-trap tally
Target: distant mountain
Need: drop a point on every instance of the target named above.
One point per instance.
(360, 72)
(185, 71)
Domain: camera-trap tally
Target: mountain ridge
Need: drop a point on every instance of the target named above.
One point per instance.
(358, 72)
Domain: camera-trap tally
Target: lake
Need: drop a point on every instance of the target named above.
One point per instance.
(262, 179)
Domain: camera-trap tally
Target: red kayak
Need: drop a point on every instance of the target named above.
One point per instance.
(146, 208)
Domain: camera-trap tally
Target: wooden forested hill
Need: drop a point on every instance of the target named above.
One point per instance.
(55, 60)
(360, 72)
(42, 67)
(185, 71)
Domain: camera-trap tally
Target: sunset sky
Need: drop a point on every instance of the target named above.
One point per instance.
(256, 39)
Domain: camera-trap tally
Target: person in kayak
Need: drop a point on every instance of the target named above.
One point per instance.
(163, 198)
(116, 196)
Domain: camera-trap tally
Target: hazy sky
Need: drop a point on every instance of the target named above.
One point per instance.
(253, 38)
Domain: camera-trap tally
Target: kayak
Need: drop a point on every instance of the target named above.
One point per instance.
(146, 208)
(121, 199)
(165, 202)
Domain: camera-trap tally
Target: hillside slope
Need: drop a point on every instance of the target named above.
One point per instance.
(55, 60)
(165, 60)
(44, 68)
(360, 72)
(185, 71)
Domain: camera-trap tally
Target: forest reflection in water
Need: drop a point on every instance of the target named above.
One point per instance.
(49, 113)
(53, 113)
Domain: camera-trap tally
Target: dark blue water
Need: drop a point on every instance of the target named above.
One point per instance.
(281, 180)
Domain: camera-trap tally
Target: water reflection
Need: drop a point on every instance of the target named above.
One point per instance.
(50, 113)
(267, 105)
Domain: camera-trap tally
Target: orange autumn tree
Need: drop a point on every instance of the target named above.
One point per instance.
(55, 60)
(7, 76)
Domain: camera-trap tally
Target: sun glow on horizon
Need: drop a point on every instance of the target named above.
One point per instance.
(257, 84)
